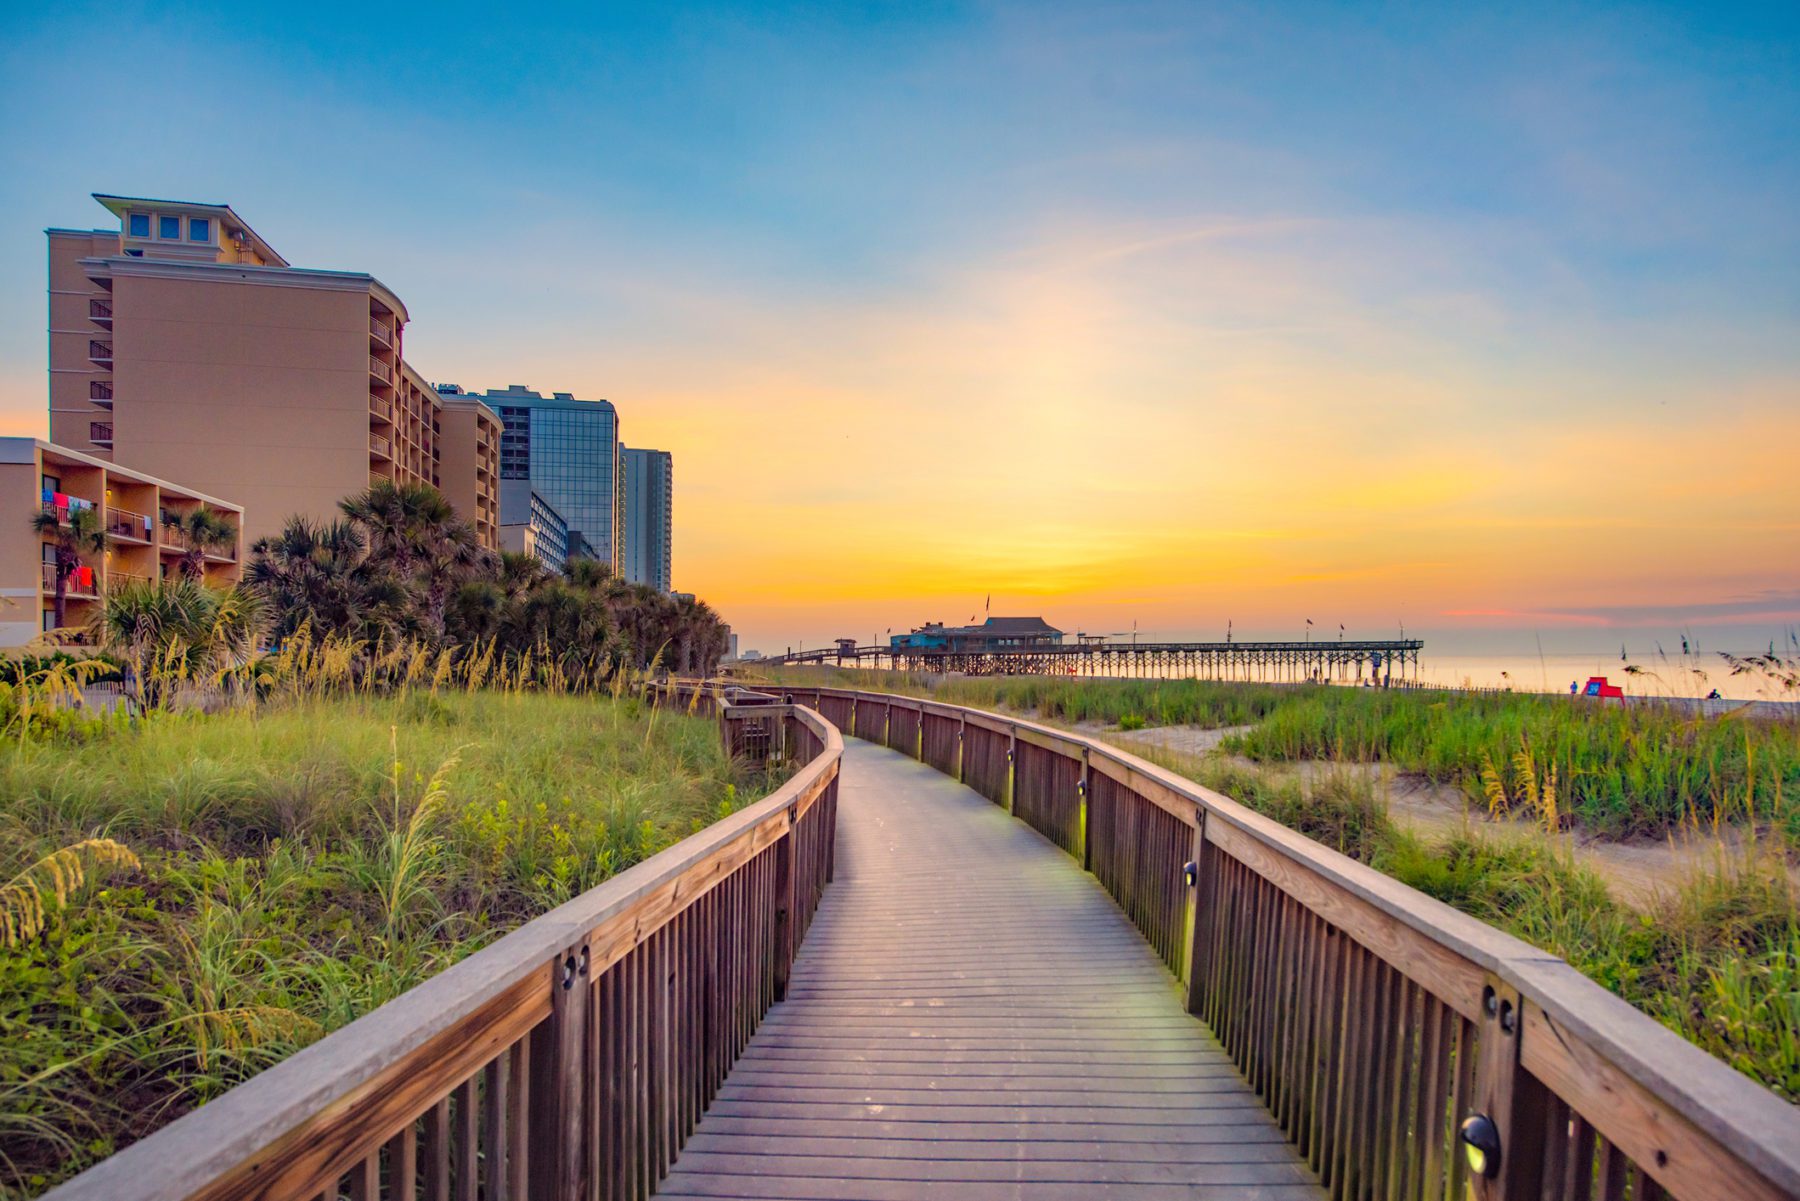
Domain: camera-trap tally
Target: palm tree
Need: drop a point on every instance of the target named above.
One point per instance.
(206, 531)
(419, 532)
(174, 631)
(324, 575)
(76, 534)
(520, 573)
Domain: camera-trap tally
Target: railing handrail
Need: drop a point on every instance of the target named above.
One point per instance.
(267, 1113)
(1742, 1116)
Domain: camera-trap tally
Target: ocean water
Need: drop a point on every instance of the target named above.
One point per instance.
(1654, 675)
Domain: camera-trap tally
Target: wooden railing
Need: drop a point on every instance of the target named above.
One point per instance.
(569, 1060)
(1372, 1020)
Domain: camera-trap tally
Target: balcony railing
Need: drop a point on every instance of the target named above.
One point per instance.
(100, 310)
(381, 331)
(123, 523)
(119, 579)
(381, 410)
(100, 392)
(381, 370)
(83, 581)
(62, 504)
(380, 447)
(100, 433)
(100, 352)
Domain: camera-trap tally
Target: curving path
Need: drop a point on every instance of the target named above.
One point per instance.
(971, 1017)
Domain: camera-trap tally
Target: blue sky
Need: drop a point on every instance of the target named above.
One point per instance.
(1472, 253)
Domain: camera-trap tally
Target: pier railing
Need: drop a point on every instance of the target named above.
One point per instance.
(1408, 1050)
(569, 1060)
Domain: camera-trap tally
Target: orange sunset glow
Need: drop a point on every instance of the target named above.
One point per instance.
(1117, 318)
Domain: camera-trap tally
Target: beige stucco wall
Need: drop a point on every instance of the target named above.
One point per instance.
(70, 329)
(476, 495)
(254, 391)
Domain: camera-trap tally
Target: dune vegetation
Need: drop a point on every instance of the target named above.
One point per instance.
(191, 897)
(1715, 955)
(1611, 769)
(307, 794)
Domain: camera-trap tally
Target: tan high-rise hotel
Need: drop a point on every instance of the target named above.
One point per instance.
(184, 347)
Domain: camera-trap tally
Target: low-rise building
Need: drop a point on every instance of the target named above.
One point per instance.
(138, 517)
(541, 533)
(995, 634)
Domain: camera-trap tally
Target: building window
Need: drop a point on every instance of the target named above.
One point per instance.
(136, 254)
(168, 228)
(199, 229)
(138, 225)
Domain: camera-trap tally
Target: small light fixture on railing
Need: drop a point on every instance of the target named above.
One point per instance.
(1481, 1144)
(1190, 873)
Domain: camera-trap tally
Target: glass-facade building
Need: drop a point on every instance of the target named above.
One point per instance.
(568, 450)
(649, 484)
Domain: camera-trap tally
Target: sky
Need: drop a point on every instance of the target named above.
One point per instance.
(1480, 320)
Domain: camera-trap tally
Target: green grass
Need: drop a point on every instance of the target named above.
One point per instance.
(301, 863)
(1716, 958)
(1617, 771)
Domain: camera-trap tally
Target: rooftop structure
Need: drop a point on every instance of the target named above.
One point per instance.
(183, 344)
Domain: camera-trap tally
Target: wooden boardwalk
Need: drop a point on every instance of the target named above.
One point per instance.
(972, 1017)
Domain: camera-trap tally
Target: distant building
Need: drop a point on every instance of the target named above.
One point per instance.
(732, 636)
(568, 450)
(543, 534)
(995, 634)
(649, 481)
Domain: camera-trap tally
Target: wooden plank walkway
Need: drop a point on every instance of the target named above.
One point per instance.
(971, 1017)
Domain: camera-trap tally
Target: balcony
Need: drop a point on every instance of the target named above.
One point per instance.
(61, 504)
(380, 448)
(127, 525)
(83, 581)
(381, 410)
(100, 433)
(100, 312)
(100, 392)
(120, 579)
(380, 332)
(377, 368)
(100, 353)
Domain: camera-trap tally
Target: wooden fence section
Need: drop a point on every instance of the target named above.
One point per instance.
(1371, 1019)
(569, 1061)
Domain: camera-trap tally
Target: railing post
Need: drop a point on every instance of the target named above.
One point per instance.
(1083, 794)
(558, 1084)
(962, 732)
(1199, 875)
(785, 890)
(1012, 767)
(1509, 1097)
